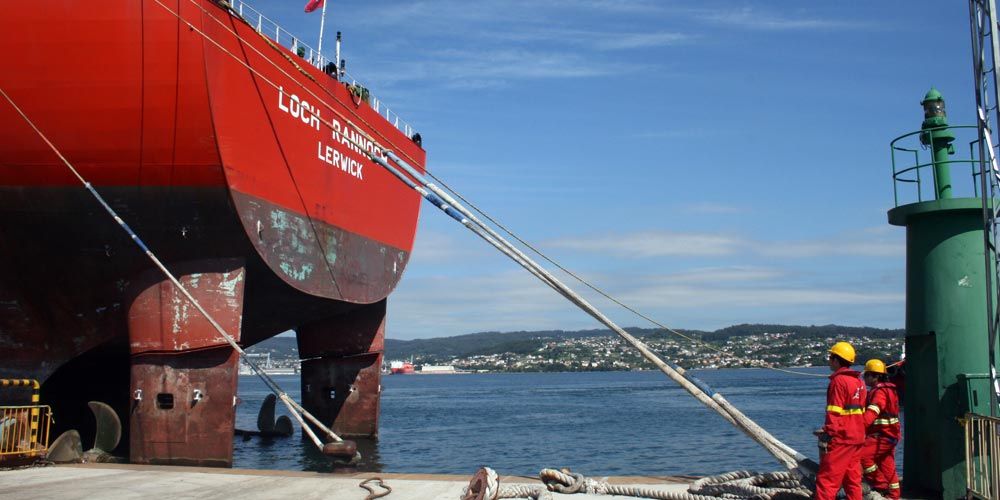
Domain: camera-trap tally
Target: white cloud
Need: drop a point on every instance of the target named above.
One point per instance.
(750, 18)
(630, 41)
(431, 15)
(495, 294)
(431, 246)
(651, 244)
(712, 208)
(874, 248)
(727, 274)
(613, 6)
(647, 244)
(683, 296)
(599, 39)
(494, 44)
(623, 41)
(510, 299)
(506, 300)
(744, 286)
(470, 69)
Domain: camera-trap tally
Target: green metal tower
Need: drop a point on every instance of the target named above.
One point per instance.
(947, 349)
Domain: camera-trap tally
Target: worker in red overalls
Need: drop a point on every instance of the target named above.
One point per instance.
(882, 425)
(843, 433)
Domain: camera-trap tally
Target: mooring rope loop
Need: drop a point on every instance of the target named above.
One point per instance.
(563, 481)
(372, 495)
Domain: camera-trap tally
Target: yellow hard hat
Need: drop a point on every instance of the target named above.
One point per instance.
(875, 366)
(844, 351)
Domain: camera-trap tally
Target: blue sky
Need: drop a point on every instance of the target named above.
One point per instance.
(711, 163)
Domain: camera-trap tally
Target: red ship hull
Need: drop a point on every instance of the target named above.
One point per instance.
(232, 159)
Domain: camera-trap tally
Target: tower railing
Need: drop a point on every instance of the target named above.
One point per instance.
(982, 456)
(913, 165)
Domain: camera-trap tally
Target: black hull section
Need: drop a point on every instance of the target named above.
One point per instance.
(72, 284)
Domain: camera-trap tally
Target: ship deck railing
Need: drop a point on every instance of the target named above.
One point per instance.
(24, 433)
(913, 172)
(287, 39)
(982, 456)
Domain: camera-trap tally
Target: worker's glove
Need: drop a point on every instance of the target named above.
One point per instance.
(822, 440)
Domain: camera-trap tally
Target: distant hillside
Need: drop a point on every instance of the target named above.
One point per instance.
(811, 331)
(487, 343)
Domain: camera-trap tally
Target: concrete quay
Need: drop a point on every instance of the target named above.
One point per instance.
(127, 481)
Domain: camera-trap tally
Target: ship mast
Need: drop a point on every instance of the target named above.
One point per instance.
(322, 24)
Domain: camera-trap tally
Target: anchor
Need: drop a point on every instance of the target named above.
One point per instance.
(267, 426)
(342, 452)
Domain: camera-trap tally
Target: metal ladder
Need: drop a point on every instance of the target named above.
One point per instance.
(985, 61)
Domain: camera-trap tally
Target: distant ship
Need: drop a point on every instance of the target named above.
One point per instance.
(243, 165)
(401, 368)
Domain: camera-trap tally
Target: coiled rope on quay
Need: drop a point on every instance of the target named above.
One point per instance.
(780, 485)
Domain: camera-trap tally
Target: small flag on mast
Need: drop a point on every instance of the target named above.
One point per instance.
(313, 5)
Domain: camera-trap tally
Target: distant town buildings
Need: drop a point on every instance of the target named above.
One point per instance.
(271, 366)
(612, 353)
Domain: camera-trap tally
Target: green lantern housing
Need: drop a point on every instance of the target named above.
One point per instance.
(947, 354)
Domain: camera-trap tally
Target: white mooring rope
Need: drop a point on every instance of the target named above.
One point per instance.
(600, 291)
(781, 485)
(783, 453)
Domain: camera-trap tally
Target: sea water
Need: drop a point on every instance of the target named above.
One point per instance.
(597, 423)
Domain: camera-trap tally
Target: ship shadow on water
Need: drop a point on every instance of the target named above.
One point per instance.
(265, 452)
(295, 452)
